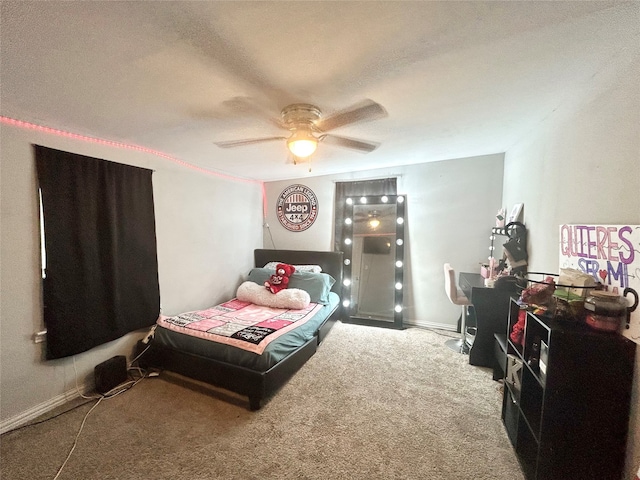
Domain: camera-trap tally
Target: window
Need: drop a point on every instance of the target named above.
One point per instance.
(100, 278)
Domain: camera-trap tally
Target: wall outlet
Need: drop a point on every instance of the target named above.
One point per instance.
(40, 337)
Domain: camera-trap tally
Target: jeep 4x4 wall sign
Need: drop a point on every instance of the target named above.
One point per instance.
(297, 208)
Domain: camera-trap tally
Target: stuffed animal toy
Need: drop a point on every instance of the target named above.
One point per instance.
(280, 280)
(540, 293)
(517, 331)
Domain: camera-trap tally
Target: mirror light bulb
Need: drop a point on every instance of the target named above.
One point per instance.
(398, 286)
(347, 241)
(399, 264)
(346, 303)
(384, 199)
(400, 199)
(399, 241)
(346, 282)
(398, 308)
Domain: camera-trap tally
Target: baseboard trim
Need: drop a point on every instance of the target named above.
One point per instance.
(42, 408)
(437, 326)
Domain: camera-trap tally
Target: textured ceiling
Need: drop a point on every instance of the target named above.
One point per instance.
(457, 79)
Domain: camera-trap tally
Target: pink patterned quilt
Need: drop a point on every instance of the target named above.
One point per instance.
(241, 324)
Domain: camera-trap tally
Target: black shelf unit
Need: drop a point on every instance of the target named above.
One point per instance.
(567, 399)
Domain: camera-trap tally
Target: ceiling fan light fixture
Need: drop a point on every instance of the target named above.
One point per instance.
(374, 223)
(302, 143)
(307, 127)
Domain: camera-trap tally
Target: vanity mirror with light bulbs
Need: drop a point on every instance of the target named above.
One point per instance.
(373, 237)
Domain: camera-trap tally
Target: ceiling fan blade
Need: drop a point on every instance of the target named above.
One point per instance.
(250, 107)
(248, 141)
(360, 145)
(360, 112)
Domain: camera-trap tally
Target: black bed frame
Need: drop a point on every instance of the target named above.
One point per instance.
(257, 385)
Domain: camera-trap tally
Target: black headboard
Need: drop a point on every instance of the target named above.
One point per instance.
(330, 262)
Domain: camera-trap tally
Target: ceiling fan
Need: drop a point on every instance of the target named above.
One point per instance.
(373, 218)
(364, 216)
(307, 127)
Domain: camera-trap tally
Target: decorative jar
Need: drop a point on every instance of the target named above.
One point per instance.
(605, 310)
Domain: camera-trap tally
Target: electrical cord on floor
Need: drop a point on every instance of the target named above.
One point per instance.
(115, 391)
(89, 399)
(75, 371)
(47, 419)
(75, 442)
(144, 373)
(140, 354)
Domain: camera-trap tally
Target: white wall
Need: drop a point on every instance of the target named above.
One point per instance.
(204, 249)
(583, 166)
(451, 208)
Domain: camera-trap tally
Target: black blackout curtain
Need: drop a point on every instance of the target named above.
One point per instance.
(100, 242)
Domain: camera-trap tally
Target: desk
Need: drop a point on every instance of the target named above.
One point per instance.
(491, 307)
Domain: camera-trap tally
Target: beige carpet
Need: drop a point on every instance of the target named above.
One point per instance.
(371, 404)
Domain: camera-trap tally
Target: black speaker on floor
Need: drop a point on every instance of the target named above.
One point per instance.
(111, 373)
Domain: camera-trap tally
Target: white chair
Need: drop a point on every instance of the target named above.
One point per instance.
(457, 297)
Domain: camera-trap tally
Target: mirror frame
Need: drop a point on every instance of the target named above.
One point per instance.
(347, 248)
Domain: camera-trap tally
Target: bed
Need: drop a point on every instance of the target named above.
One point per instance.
(254, 371)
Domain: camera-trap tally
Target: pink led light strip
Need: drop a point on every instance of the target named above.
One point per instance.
(62, 133)
(110, 143)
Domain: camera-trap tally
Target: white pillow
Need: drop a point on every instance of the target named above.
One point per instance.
(293, 298)
(299, 268)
